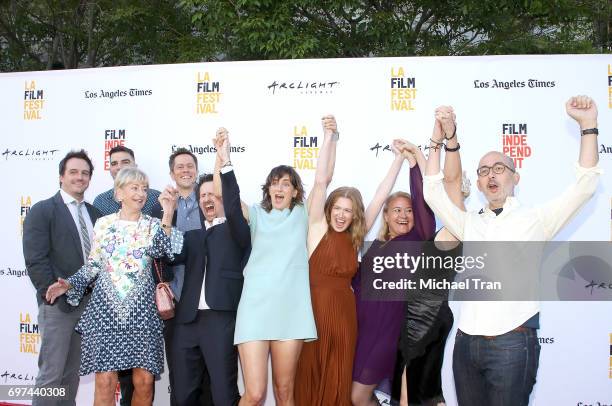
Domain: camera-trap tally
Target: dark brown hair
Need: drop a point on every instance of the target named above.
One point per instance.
(81, 154)
(121, 148)
(181, 151)
(275, 174)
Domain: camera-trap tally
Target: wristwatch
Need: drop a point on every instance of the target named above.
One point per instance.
(590, 131)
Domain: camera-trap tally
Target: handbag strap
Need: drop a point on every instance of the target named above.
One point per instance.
(156, 265)
(156, 262)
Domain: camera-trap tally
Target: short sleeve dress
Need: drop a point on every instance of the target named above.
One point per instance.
(275, 302)
(120, 327)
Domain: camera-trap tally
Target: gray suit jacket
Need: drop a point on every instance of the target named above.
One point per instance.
(52, 245)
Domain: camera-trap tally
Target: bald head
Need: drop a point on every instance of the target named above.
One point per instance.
(496, 156)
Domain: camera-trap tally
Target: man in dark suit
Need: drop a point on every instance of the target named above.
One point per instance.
(57, 238)
(205, 318)
(183, 166)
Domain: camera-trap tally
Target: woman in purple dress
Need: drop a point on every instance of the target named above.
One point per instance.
(379, 322)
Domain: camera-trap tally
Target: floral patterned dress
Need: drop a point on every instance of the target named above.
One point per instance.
(120, 327)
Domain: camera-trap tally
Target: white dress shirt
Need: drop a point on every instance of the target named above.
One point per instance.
(514, 223)
(208, 224)
(68, 200)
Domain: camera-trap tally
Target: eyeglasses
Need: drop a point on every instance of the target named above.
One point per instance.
(498, 169)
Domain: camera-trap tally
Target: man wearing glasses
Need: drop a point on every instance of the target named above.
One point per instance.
(495, 359)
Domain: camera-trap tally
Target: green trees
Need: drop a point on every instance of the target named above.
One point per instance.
(84, 33)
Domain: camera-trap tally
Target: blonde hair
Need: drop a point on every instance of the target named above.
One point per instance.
(383, 233)
(357, 229)
(130, 174)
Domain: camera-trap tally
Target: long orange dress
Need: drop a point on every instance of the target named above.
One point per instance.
(324, 372)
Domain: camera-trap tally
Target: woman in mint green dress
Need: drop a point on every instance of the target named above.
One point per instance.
(275, 311)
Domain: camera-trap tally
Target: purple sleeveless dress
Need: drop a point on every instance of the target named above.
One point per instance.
(379, 322)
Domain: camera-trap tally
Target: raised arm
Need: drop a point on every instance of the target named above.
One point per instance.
(239, 228)
(384, 188)
(317, 224)
(331, 162)
(446, 118)
(424, 219)
(323, 173)
(224, 164)
(167, 240)
(556, 213)
(436, 186)
(584, 110)
(217, 188)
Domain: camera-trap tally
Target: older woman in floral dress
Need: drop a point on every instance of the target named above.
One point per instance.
(120, 327)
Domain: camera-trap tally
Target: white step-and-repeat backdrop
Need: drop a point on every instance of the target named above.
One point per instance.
(272, 110)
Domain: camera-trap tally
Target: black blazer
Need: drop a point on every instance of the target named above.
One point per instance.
(52, 245)
(222, 251)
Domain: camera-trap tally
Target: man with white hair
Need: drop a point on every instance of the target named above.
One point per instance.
(496, 352)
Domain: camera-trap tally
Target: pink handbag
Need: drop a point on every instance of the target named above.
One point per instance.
(164, 298)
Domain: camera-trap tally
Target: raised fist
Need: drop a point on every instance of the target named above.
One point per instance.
(222, 145)
(445, 115)
(168, 198)
(329, 125)
(582, 109)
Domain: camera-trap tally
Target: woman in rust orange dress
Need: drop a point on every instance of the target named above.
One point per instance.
(335, 232)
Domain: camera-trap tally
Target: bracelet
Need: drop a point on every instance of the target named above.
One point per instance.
(228, 163)
(436, 142)
(590, 131)
(165, 226)
(447, 149)
(454, 133)
(335, 136)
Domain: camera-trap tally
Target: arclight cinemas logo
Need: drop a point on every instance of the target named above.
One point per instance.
(303, 87)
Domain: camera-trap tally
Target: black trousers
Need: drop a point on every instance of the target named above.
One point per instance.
(205, 398)
(207, 344)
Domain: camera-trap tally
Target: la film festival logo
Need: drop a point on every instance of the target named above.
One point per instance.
(514, 143)
(305, 148)
(29, 334)
(33, 101)
(403, 90)
(24, 209)
(208, 94)
(112, 139)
